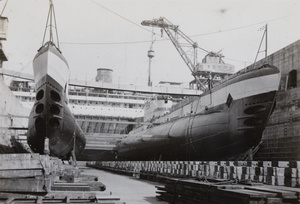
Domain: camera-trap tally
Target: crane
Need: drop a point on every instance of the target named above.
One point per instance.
(168, 27)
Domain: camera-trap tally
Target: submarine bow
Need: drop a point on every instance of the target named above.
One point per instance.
(221, 124)
(52, 127)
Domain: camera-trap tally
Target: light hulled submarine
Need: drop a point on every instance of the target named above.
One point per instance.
(52, 128)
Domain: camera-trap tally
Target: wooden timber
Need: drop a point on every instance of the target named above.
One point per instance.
(191, 191)
(27, 172)
(60, 197)
(277, 173)
(34, 178)
(212, 182)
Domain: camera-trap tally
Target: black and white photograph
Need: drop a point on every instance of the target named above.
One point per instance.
(150, 101)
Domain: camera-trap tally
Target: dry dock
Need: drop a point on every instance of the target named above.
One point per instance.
(129, 189)
(212, 182)
(34, 178)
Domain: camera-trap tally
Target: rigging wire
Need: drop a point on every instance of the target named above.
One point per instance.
(49, 24)
(105, 43)
(111, 11)
(25, 66)
(242, 27)
(164, 38)
(3, 8)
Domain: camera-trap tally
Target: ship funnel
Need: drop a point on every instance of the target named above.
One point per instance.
(104, 75)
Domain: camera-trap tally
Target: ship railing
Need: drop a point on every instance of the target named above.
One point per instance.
(184, 102)
(22, 89)
(109, 95)
(242, 71)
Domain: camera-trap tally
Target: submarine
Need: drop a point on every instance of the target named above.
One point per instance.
(52, 128)
(223, 122)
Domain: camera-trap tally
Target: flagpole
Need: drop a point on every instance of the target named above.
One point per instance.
(266, 44)
(266, 30)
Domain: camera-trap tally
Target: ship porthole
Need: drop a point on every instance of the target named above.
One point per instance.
(54, 109)
(55, 96)
(40, 95)
(252, 121)
(39, 122)
(39, 108)
(54, 122)
(254, 109)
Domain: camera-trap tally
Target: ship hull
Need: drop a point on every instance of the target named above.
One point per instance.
(223, 123)
(50, 116)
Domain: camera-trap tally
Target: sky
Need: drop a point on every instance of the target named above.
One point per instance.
(108, 34)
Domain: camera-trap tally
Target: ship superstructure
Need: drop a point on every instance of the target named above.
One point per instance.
(104, 113)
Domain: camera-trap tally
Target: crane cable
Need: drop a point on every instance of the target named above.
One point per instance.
(126, 19)
(4, 7)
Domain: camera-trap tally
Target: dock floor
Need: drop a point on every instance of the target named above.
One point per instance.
(127, 188)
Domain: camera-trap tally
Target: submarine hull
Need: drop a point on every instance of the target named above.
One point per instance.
(50, 117)
(224, 122)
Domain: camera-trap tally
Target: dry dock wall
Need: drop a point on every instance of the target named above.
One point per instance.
(12, 115)
(281, 138)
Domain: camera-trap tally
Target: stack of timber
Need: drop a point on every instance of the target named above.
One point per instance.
(205, 192)
(278, 173)
(34, 178)
(27, 173)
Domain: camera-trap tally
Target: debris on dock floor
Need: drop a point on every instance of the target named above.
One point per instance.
(192, 191)
(34, 178)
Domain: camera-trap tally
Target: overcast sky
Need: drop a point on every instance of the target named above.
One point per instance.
(108, 33)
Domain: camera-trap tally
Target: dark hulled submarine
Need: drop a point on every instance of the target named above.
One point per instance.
(220, 124)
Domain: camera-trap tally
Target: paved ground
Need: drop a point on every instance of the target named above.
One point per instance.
(129, 189)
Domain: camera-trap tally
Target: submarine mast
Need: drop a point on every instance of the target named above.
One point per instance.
(51, 23)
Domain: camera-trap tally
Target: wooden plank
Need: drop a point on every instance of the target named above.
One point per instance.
(280, 192)
(22, 185)
(249, 193)
(70, 188)
(60, 197)
(20, 173)
(292, 189)
(25, 156)
(20, 164)
(80, 194)
(274, 201)
(69, 184)
(71, 194)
